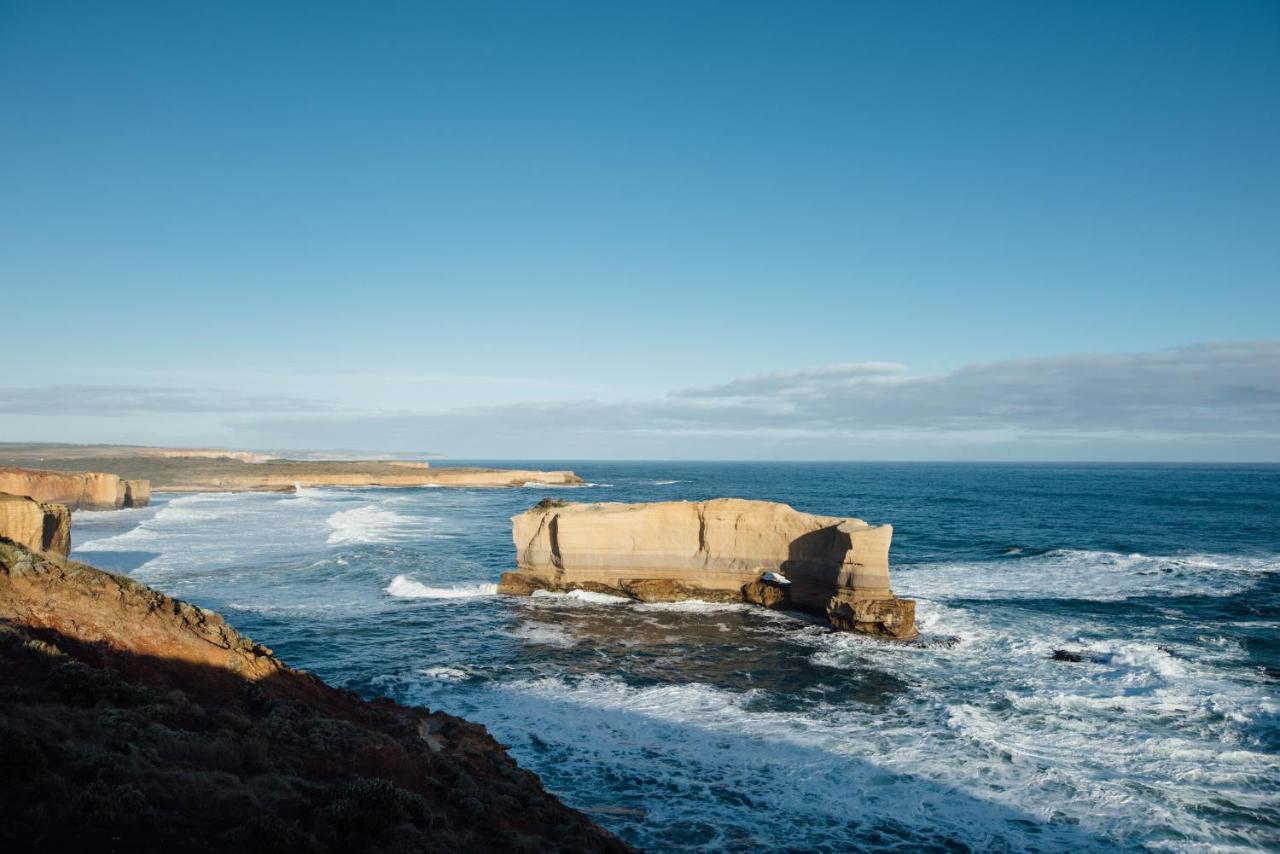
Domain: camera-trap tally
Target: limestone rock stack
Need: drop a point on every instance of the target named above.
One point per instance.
(721, 550)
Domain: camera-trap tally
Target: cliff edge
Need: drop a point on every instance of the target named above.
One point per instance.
(727, 549)
(131, 721)
(77, 490)
(119, 480)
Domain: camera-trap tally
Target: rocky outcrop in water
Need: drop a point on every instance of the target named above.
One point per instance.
(37, 525)
(722, 550)
(77, 490)
(131, 721)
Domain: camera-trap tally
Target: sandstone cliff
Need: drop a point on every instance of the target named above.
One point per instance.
(61, 480)
(138, 722)
(722, 550)
(284, 477)
(137, 493)
(35, 524)
(80, 490)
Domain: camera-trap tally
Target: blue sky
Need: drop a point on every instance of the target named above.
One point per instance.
(547, 230)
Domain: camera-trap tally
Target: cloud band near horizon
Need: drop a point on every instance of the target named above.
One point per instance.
(1221, 396)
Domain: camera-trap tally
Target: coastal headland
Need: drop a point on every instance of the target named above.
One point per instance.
(133, 717)
(101, 467)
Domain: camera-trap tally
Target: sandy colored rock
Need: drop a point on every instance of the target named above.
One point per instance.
(265, 478)
(83, 490)
(717, 550)
(137, 493)
(37, 525)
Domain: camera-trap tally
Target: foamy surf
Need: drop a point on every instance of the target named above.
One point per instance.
(366, 525)
(584, 596)
(1101, 576)
(406, 588)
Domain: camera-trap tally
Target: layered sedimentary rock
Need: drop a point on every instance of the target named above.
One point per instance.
(80, 490)
(722, 550)
(37, 525)
(184, 470)
(284, 477)
(137, 493)
(142, 723)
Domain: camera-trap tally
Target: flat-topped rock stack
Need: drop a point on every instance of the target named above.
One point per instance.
(724, 550)
(78, 490)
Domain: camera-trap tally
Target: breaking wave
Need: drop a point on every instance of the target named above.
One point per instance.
(406, 588)
(366, 525)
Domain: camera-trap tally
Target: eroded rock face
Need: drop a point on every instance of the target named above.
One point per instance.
(716, 550)
(286, 476)
(75, 490)
(137, 493)
(37, 525)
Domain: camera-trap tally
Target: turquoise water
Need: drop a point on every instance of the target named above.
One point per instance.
(704, 727)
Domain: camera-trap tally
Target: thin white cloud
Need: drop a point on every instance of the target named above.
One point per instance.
(1207, 401)
(121, 400)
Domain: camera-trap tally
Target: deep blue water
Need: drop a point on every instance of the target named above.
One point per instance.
(701, 727)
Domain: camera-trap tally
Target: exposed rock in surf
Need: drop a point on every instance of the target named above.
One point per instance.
(1078, 656)
(718, 551)
(37, 525)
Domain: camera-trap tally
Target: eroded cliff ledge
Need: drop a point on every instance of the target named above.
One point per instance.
(142, 723)
(726, 550)
(77, 490)
(37, 525)
(127, 481)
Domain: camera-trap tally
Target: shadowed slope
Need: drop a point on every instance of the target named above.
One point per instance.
(131, 721)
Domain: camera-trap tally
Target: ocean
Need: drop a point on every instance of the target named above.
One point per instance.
(701, 727)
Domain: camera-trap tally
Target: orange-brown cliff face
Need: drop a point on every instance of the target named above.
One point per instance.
(35, 524)
(129, 716)
(75, 490)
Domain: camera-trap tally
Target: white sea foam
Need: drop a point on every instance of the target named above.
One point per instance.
(445, 673)
(973, 771)
(1084, 574)
(366, 525)
(535, 484)
(584, 596)
(692, 606)
(406, 588)
(544, 634)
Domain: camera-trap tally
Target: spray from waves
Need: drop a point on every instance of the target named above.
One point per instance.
(406, 588)
(366, 525)
(534, 484)
(1083, 574)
